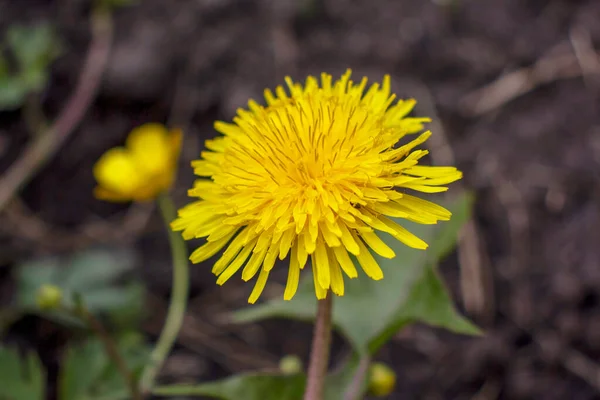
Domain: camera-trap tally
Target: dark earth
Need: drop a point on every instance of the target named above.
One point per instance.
(529, 150)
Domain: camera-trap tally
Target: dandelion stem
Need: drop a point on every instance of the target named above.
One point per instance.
(179, 298)
(319, 355)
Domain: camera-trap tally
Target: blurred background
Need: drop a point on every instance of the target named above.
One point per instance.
(512, 86)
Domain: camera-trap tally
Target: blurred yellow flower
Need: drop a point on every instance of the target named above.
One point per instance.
(313, 174)
(142, 169)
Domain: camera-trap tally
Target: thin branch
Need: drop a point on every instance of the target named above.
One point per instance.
(46, 143)
(588, 59)
(556, 65)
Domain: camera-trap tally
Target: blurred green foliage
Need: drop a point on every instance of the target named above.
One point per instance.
(102, 281)
(265, 386)
(101, 277)
(22, 377)
(86, 373)
(89, 374)
(32, 49)
(251, 386)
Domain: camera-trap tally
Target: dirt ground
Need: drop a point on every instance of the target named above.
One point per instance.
(513, 87)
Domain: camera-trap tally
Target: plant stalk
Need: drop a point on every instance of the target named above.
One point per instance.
(319, 355)
(179, 298)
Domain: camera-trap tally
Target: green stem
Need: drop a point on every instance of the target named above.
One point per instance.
(319, 354)
(179, 298)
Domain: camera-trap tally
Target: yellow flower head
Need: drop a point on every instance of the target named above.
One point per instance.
(142, 169)
(313, 174)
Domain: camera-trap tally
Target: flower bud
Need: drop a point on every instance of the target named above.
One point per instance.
(382, 380)
(290, 365)
(49, 297)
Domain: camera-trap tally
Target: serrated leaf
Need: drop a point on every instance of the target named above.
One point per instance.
(410, 291)
(429, 302)
(264, 386)
(96, 275)
(89, 374)
(22, 377)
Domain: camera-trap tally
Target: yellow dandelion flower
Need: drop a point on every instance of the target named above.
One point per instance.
(314, 174)
(142, 169)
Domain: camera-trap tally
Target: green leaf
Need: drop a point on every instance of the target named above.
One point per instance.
(264, 386)
(338, 381)
(12, 93)
(371, 311)
(429, 302)
(97, 276)
(34, 49)
(8, 316)
(252, 386)
(89, 374)
(22, 377)
(95, 268)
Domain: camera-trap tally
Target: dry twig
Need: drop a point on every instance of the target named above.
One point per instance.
(45, 145)
(21, 222)
(559, 63)
(583, 367)
(589, 61)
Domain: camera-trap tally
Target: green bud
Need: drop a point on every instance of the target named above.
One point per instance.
(382, 379)
(290, 365)
(49, 297)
